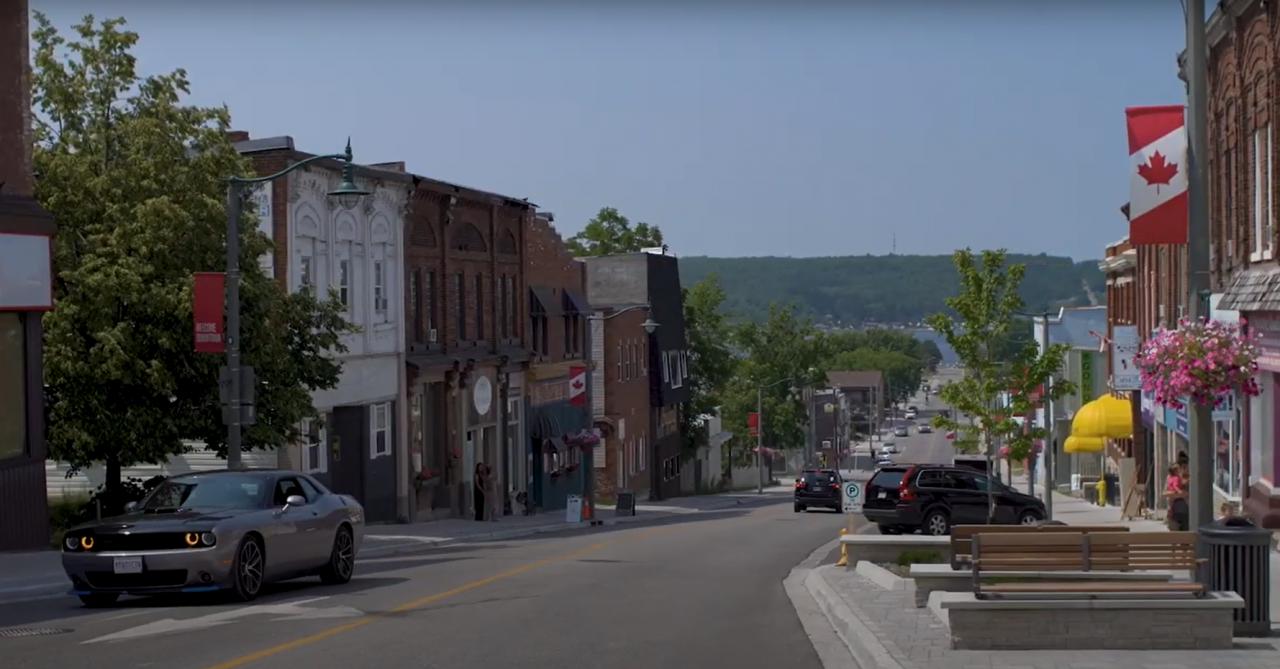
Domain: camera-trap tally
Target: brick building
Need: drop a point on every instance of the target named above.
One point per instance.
(356, 444)
(26, 291)
(557, 412)
(1120, 266)
(638, 378)
(465, 344)
(1242, 40)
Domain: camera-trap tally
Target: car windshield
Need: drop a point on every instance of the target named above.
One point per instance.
(224, 491)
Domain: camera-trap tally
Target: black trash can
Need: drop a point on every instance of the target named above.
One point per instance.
(1239, 561)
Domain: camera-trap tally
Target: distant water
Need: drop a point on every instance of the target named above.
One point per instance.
(949, 356)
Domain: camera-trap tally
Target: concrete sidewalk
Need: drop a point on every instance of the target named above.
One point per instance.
(38, 574)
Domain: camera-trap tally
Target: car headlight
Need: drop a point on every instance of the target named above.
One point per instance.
(86, 542)
(208, 538)
(192, 539)
(71, 542)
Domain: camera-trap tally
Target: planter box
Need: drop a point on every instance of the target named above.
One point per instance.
(1081, 624)
(887, 547)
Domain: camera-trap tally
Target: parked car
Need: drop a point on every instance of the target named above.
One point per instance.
(888, 449)
(222, 530)
(884, 461)
(911, 413)
(925, 428)
(817, 487)
(932, 498)
(901, 431)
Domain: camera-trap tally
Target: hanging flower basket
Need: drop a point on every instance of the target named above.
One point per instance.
(583, 439)
(1200, 360)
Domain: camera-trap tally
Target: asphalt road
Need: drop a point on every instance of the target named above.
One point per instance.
(701, 590)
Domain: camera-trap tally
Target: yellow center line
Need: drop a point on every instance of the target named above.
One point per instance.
(415, 604)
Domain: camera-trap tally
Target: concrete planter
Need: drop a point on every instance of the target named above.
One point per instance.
(889, 547)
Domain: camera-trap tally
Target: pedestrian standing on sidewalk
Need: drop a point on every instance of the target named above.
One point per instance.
(478, 487)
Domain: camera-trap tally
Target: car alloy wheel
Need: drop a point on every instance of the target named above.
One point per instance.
(249, 568)
(342, 559)
(937, 524)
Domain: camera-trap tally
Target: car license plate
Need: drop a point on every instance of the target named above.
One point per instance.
(883, 494)
(128, 565)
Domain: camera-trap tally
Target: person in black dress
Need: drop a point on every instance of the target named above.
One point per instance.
(479, 483)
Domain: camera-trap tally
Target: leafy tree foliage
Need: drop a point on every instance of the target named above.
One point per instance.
(136, 181)
(981, 319)
(711, 360)
(781, 356)
(853, 290)
(611, 232)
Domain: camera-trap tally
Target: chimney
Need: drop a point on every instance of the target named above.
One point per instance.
(394, 166)
(234, 136)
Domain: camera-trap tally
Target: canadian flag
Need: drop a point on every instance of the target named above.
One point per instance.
(578, 386)
(1157, 175)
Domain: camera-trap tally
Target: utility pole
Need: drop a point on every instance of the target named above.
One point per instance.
(759, 440)
(1202, 455)
(1050, 442)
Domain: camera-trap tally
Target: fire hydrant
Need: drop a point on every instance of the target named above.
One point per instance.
(1101, 490)
(844, 551)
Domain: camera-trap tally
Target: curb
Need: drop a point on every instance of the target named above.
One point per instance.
(862, 643)
(411, 547)
(28, 593)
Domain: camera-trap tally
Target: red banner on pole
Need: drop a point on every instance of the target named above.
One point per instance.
(578, 386)
(753, 424)
(206, 308)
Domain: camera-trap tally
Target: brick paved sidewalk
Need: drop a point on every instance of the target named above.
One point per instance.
(885, 630)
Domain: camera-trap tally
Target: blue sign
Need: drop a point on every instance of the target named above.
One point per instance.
(1178, 419)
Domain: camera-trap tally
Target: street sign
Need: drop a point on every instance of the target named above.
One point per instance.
(851, 497)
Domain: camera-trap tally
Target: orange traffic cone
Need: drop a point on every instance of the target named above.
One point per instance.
(844, 551)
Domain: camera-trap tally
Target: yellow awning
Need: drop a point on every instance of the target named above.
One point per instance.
(1106, 417)
(1084, 444)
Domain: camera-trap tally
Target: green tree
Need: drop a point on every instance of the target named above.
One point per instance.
(782, 355)
(984, 312)
(902, 373)
(136, 181)
(711, 361)
(611, 232)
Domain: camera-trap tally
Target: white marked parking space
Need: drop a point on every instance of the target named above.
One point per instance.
(295, 610)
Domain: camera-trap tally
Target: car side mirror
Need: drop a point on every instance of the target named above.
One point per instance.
(294, 500)
(130, 506)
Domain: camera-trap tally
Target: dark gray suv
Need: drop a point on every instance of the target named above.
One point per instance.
(932, 498)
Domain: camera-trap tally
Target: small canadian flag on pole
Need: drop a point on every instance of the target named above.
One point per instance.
(1157, 175)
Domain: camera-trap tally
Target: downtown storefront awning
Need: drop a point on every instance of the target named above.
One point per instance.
(1107, 417)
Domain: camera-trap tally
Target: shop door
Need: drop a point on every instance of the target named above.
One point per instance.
(347, 451)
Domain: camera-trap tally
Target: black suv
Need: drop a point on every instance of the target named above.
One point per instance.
(932, 498)
(818, 487)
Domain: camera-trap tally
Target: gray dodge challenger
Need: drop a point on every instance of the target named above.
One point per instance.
(222, 530)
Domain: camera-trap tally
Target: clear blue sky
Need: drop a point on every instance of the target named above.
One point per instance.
(751, 128)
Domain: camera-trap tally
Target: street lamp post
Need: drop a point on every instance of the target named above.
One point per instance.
(1050, 447)
(760, 430)
(348, 195)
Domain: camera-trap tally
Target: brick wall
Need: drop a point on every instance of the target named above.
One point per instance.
(1242, 94)
(549, 264)
(451, 239)
(626, 392)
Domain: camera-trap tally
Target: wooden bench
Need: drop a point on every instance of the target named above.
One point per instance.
(1105, 551)
(962, 536)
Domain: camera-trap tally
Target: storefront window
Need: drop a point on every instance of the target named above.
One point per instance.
(1227, 465)
(13, 392)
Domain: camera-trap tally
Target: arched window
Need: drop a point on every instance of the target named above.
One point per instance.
(468, 238)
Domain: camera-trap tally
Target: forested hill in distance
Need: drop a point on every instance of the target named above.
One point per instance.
(854, 290)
